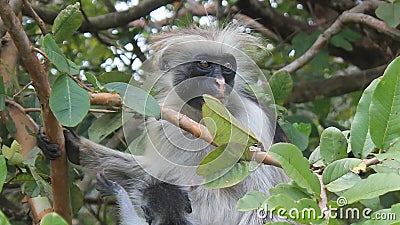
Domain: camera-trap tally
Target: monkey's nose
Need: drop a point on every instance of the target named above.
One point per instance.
(220, 82)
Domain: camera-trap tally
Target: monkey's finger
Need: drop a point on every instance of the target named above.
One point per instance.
(51, 151)
(41, 135)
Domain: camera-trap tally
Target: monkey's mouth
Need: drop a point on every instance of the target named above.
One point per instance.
(198, 102)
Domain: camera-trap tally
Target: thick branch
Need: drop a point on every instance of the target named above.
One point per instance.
(335, 86)
(16, 6)
(323, 38)
(270, 18)
(373, 23)
(179, 120)
(109, 20)
(59, 169)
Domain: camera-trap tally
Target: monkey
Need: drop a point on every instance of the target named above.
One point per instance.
(162, 203)
(186, 64)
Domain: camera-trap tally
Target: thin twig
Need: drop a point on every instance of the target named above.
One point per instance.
(371, 161)
(40, 52)
(35, 16)
(90, 110)
(79, 82)
(138, 52)
(324, 199)
(23, 89)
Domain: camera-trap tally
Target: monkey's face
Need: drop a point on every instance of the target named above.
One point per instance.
(206, 74)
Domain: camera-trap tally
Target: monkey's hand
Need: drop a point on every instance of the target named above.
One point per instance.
(105, 186)
(52, 151)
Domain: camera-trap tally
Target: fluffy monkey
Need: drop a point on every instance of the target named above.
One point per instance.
(187, 64)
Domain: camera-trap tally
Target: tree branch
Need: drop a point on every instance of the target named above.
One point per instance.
(59, 169)
(270, 18)
(335, 86)
(182, 121)
(373, 23)
(323, 38)
(35, 16)
(109, 20)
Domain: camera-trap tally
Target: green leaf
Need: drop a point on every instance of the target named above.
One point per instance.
(224, 156)
(93, 80)
(57, 57)
(76, 198)
(234, 176)
(295, 136)
(315, 158)
(136, 99)
(375, 185)
(388, 166)
(3, 171)
(395, 154)
(2, 94)
(296, 166)
(360, 139)
(13, 154)
(223, 126)
(333, 144)
(114, 76)
(291, 190)
(73, 68)
(302, 42)
(304, 128)
(389, 12)
(385, 107)
(251, 201)
(281, 84)
(339, 168)
(344, 39)
(3, 219)
(44, 187)
(69, 102)
(372, 203)
(304, 210)
(104, 125)
(67, 22)
(53, 219)
(343, 183)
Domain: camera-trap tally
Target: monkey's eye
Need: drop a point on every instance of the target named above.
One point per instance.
(228, 66)
(204, 64)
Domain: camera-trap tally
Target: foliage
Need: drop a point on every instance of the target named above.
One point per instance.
(344, 152)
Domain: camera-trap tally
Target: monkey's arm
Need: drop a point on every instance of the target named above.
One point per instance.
(121, 167)
(127, 212)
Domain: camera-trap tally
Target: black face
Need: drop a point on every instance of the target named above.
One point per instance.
(206, 74)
